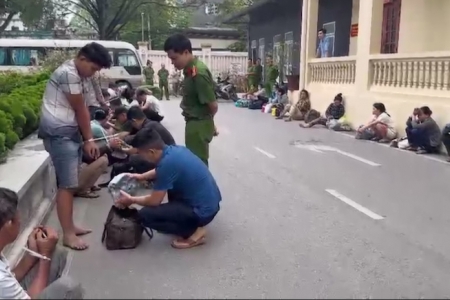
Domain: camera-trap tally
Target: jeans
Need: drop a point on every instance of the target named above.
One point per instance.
(419, 138)
(175, 218)
(66, 155)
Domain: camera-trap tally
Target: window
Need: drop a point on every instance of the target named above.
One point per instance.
(127, 58)
(331, 30)
(288, 54)
(391, 26)
(211, 9)
(3, 57)
(25, 56)
(277, 48)
(254, 50)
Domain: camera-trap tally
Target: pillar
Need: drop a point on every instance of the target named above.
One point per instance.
(369, 40)
(309, 38)
(206, 54)
(143, 51)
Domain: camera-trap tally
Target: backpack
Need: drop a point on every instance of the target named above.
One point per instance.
(123, 229)
(255, 104)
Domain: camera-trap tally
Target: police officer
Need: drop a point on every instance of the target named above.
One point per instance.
(149, 73)
(163, 75)
(199, 103)
(251, 76)
(271, 76)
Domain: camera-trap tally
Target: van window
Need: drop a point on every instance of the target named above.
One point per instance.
(25, 56)
(127, 58)
(3, 57)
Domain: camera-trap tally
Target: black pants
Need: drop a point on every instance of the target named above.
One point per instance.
(174, 217)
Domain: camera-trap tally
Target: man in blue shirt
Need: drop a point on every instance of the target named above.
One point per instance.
(323, 50)
(192, 191)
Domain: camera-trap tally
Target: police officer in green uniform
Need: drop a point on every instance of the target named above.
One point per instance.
(199, 103)
(271, 76)
(163, 75)
(149, 73)
(251, 76)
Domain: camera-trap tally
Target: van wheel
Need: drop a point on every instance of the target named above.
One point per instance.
(124, 82)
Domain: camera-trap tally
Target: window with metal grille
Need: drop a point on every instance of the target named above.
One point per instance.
(391, 26)
(262, 53)
(288, 54)
(254, 50)
(211, 9)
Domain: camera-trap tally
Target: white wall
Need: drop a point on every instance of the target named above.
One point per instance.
(215, 43)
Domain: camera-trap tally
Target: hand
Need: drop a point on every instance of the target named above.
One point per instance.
(115, 143)
(47, 238)
(138, 177)
(216, 132)
(32, 240)
(91, 149)
(124, 200)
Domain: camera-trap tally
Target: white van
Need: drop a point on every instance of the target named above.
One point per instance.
(21, 54)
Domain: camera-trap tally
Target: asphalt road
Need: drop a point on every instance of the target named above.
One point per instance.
(306, 213)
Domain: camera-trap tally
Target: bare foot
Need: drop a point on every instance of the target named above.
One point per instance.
(82, 231)
(75, 243)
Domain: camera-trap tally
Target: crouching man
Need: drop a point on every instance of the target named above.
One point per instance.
(192, 191)
(32, 278)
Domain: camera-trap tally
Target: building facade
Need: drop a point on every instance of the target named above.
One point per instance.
(395, 54)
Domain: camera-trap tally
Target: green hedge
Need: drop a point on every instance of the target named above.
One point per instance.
(20, 104)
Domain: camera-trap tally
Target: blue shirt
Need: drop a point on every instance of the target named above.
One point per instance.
(189, 178)
(324, 47)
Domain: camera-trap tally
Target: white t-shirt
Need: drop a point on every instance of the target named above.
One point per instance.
(387, 120)
(134, 103)
(155, 104)
(10, 288)
(112, 93)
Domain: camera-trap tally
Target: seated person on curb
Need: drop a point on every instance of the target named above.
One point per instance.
(192, 191)
(424, 134)
(298, 110)
(150, 105)
(381, 127)
(334, 112)
(446, 139)
(32, 278)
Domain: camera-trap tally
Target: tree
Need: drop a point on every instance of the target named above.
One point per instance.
(229, 7)
(30, 11)
(109, 17)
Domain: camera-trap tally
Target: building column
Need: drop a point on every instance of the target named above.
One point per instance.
(370, 23)
(309, 38)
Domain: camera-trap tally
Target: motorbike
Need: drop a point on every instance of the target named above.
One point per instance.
(225, 90)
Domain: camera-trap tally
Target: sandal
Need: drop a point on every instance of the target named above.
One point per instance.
(187, 243)
(87, 195)
(95, 188)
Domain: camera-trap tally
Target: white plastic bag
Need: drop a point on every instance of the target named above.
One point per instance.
(268, 108)
(122, 182)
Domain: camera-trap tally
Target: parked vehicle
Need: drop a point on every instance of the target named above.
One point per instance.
(225, 90)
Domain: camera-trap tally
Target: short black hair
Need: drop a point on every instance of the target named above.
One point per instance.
(105, 93)
(148, 138)
(100, 115)
(9, 202)
(426, 110)
(135, 113)
(120, 110)
(140, 92)
(97, 54)
(178, 43)
(323, 30)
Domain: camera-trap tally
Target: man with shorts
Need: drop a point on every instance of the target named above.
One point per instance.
(192, 191)
(199, 103)
(66, 131)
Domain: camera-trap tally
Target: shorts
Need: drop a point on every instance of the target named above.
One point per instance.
(66, 157)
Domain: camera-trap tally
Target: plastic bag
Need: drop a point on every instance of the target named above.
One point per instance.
(122, 182)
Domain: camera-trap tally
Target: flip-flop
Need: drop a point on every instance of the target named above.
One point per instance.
(87, 195)
(95, 188)
(187, 243)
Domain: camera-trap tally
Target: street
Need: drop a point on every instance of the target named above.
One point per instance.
(306, 213)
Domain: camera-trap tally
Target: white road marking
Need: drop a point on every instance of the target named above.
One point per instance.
(269, 155)
(345, 134)
(321, 149)
(355, 205)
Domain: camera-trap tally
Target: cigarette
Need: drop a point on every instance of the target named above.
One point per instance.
(35, 254)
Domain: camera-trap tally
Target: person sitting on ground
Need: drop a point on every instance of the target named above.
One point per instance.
(424, 134)
(297, 111)
(193, 195)
(113, 90)
(32, 278)
(334, 112)
(150, 105)
(382, 126)
(446, 139)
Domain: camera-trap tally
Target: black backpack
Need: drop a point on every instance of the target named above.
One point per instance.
(123, 229)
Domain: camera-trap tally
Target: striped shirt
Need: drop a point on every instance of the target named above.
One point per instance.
(10, 288)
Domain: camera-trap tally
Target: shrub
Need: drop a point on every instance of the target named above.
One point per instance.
(20, 102)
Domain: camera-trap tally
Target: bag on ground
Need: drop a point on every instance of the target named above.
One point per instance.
(123, 229)
(311, 115)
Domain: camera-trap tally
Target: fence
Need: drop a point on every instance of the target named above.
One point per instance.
(217, 62)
